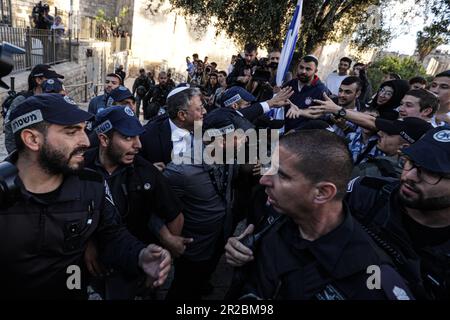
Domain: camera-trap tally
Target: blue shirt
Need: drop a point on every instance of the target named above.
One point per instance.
(304, 98)
(357, 145)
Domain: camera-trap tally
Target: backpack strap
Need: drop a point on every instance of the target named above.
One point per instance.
(386, 168)
(383, 199)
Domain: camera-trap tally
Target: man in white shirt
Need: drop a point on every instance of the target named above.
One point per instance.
(333, 81)
(170, 134)
(441, 87)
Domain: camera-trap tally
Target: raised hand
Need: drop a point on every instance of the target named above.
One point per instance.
(282, 98)
(235, 252)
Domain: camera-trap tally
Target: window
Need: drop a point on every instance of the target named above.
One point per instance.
(5, 12)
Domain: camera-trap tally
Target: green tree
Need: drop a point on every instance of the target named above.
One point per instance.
(406, 67)
(265, 21)
(438, 31)
(428, 40)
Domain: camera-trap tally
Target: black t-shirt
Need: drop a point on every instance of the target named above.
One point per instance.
(49, 197)
(423, 236)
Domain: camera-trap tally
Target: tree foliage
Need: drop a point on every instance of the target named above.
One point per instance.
(265, 21)
(406, 67)
(438, 31)
(428, 40)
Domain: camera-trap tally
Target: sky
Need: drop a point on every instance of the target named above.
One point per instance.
(405, 36)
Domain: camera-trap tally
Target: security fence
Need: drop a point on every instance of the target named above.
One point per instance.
(41, 46)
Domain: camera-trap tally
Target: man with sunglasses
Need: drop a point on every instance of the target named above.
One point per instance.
(410, 218)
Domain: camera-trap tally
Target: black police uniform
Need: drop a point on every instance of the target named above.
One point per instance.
(333, 267)
(374, 202)
(139, 190)
(42, 235)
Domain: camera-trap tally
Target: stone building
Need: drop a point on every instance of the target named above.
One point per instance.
(90, 59)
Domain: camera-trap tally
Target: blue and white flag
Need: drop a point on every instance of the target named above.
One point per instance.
(286, 55)
(289, 44)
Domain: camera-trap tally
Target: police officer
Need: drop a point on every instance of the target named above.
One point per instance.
(122, 96)
(60, 206)
(148, 206)
(36, 78)
(138, 188)
(53, 85)
(318, 251)
(245, 103)
(394, 135)
(411, 216)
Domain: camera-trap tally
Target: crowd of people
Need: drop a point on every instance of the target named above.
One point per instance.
(360, 180)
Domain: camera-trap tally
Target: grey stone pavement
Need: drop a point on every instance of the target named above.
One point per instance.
(221, 278)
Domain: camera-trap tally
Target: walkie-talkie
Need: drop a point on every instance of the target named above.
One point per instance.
(251, 240)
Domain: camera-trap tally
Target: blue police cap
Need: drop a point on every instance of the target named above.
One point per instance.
(223, 121)
(120, 93)
(432, 151)
(119, 118)
(50, 107)
(235, 94)
(53, 85)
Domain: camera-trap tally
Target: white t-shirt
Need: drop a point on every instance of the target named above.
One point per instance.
(333, 82)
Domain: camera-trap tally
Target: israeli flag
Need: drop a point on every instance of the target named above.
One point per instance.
(289, 44)
(287, 52)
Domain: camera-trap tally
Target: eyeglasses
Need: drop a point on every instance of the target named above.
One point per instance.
(424, 175)
(386, 93)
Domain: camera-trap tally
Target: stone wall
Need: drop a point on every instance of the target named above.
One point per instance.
(89, 8)
(74, 74)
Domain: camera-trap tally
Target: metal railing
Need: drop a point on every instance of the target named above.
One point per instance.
(41, 46)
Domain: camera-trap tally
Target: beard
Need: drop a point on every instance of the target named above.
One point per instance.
(55, 161)
(422, 203)
(113, 156)
(304, 78)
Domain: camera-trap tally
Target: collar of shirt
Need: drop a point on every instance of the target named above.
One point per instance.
(178, 134)
(335, 250)
(181, 139)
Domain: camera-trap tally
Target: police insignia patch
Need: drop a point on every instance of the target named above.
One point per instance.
(69, 100)
(129, 112)
(442, 136)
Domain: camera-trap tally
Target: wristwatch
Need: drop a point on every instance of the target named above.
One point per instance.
(342, 113)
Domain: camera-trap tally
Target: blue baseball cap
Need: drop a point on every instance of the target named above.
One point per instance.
(121, 93)
(432, 151)
(222, 121)
(235, 94)
(50, 107)
(53, 85)
(119, 118)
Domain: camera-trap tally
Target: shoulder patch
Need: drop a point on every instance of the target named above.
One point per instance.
(330, 293)
(351, 184)
(393, 284)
